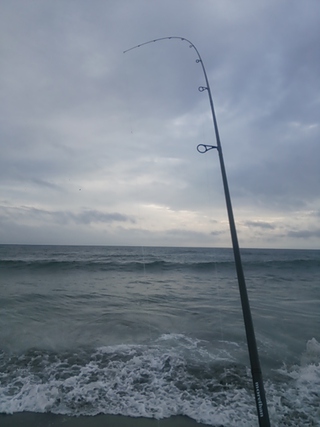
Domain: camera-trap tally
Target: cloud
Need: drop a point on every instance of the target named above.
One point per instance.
(87, 216)
(305, 234)
(77, 113)
(259, 224)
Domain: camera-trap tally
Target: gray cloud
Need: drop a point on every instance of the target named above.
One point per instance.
(90, 216)
(260, 224)
(62, 217)
(305, 234)
(77, 113)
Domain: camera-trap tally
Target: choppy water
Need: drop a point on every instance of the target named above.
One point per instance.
(157, 332)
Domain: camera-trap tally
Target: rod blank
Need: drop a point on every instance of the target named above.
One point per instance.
(258, 387)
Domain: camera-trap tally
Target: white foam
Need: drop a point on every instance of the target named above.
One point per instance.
(296, 402)
(312, 353)
(161, 381)
(129, 380)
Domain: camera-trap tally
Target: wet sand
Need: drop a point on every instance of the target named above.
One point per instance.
(30, 419)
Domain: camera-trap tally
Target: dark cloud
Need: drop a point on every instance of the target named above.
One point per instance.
(259, 224)
(305, 234)
(89, 216)
(26, 213)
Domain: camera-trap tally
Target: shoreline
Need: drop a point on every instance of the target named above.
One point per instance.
(33, 419)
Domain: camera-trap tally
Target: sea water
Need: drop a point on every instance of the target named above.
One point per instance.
(158, 332)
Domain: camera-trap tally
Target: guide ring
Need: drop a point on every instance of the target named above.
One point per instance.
(203, 148)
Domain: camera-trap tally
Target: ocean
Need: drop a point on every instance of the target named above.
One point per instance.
(153, 336)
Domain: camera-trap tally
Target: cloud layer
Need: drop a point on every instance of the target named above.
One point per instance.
(99, 147)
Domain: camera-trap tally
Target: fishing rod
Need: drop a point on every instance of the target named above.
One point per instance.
(258, 387)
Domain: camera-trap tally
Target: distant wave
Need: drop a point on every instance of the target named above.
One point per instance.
(149, 266)
(109, 266)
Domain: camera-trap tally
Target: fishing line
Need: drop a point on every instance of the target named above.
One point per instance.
(146, 283)
(219, 298)
(258, 386)
(208, 189)
(133, 131)
(149, 313)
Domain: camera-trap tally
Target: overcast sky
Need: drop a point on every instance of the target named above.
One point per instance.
(99, 147)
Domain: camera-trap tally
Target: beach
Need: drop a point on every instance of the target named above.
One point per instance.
(30, 419)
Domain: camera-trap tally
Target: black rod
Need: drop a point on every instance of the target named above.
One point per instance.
(258, 387)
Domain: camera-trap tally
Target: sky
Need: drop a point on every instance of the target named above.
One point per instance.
(98, 147)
